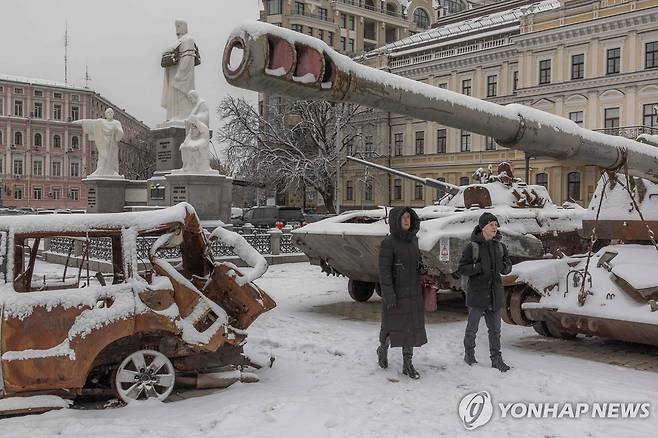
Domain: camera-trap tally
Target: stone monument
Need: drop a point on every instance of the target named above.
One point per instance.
(105, 187)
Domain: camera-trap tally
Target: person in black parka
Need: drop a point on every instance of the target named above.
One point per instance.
(403, 310)
(484, 290)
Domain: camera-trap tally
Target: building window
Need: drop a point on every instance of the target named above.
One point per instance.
(57, 193)
(651, 55)
(349, 191)
(421, 18)
(515, 80)
(57, 95)
(611, 120)
(545, 71)
(490, 144)
(56, 168)
(368, 194)
(573, 185)
(350, 20)
(38, 140)
(75, 169)
(443, 85)
(36, 193)
(57, 111)
(492, 85)
(2, 105)
(299, 8)
(397, 189)
(321, 34)
(38, 93)
(324, 14)
(75, 113)
(274, 7)
(613, 57)
(18, 166)
(350, 46)
(542, 179)
(331, 39)
(343, 21)
(465, 141)
(18, 91)
(578, 66)
(74, 194)
(397, 144)
(576, 117)
(310, 31)
(57, 141)
(418, 191)
(420, 142)
(37, 168)
(368, 145)
(342, 43)
(464, 181)
(18, 108)
(649, 116)
(38, 110)
(1, 137)
(466, 87)
(75, 142)
(18, 138)
(18, 192)
(441, 141)
(297, 28)
(2, 167)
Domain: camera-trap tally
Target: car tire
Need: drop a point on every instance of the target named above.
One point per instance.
(360, 291)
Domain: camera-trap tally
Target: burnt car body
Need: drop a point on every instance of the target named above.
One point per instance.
(70, 336)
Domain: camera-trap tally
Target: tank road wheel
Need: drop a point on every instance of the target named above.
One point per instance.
(540, 328)
(144, 374)
(505, 311)
(551, 330)
(360, 290)
(521, 294)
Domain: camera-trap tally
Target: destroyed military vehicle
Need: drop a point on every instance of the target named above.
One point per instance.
(134, 329)
(611, 290)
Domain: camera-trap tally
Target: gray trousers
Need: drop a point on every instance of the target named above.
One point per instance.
(492, 318)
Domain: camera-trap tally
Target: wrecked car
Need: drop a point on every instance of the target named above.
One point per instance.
(133, 329)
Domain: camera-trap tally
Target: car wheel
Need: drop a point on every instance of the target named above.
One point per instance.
(144, 374)
(360, 290)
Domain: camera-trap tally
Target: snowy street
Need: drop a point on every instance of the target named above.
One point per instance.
(325, 381)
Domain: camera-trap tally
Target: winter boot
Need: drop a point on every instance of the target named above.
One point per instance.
(408, 367)
(382, 355)
(497, 362)
(469, 357)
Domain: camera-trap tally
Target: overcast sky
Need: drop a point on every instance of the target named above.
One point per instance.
(121, 42)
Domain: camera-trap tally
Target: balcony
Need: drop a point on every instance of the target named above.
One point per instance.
(453, 51)
(383, 13)
(631, 132)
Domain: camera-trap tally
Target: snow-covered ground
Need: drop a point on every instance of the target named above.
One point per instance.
(326, 383)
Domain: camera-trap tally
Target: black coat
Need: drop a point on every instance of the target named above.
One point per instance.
(399, 260)
(485, 286)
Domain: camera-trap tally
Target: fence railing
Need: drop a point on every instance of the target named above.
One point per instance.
(100, 248)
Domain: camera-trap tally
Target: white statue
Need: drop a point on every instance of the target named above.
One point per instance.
(106, 134)
(200, 110)
(179, 60)
(195, 148)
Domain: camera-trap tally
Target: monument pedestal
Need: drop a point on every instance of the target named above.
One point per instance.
(105, 195)
(167, 148)
(210, 194)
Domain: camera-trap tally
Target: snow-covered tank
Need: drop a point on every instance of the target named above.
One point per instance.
(610, 292)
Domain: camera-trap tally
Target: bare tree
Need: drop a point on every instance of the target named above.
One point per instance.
(137, 157)
(293, 144)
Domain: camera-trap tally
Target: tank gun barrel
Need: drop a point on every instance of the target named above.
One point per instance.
(269, 59)
(434, 183)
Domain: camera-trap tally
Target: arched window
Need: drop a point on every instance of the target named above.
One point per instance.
(75, 142)
(463, 181)
(57, 141)
(18, 137)
(37, 139)
(542, 179)
(573, 185)
(391, 9)
(421, 18)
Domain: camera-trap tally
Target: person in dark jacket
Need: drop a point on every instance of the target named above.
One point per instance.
(403, 311)
(484, 290)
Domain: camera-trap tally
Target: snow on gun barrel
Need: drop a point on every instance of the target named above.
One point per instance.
(68, 335)
(281, 61)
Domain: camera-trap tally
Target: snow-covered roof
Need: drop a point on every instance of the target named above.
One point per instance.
(140, 221)
(472, 25)
(43, 82)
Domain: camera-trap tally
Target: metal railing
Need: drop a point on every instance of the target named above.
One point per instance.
(378, 10)
(453, 51)
(629, 131)
(327, 18)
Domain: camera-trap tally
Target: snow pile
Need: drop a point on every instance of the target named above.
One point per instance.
(37, 401)
(245, 251)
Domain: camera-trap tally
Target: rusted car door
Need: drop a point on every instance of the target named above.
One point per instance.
(51, 337)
